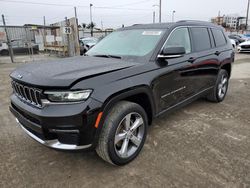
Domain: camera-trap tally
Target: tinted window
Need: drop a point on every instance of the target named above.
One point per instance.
(219, 37)
(179, 38)
(201, 39)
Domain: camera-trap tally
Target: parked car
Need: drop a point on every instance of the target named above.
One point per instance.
(244, 47)
(86, 44)
(233, 43)
(106, 99)
(19, 47)
(247, 36)
(4, 48)
(237, 38)
(244, 36)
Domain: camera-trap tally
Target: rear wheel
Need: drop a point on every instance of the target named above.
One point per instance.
(220, 90)
(123, 133)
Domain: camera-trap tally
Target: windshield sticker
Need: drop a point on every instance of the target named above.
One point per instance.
(152, 33)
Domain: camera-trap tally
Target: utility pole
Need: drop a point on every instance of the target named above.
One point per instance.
(153, 16)
(75, 12)
(44, 21)
(91, 21)
(68, 41)
(8, 40)
(44, 34)
(77, 48)
(160, 11)
(247, 14)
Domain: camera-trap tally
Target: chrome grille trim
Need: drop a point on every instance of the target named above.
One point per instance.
(28, 94)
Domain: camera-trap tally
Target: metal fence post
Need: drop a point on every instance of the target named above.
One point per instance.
(8, 41)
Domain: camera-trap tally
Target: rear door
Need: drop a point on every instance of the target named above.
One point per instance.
(223, 47)
(206, 62)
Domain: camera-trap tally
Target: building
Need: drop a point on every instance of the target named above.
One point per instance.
(231, 21)
(218, 20)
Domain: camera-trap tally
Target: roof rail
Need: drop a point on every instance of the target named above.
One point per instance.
(192, 21)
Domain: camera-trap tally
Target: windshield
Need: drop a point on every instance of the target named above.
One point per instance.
(127, 43)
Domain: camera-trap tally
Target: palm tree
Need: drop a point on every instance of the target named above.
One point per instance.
(91, 25)
(84, 25)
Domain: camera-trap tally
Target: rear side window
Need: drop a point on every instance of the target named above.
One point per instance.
(219, 37)
(201, 39)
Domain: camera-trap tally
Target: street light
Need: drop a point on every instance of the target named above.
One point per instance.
(159, 12)
(91, 22)
(248, 3)
(173, 15)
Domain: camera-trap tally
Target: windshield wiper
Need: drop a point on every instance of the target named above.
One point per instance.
(108, 56)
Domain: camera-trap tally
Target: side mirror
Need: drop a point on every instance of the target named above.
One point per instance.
(172, 52)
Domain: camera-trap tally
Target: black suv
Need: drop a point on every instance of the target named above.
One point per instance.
(106, 99)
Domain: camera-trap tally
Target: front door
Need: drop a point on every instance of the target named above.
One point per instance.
(177, 81)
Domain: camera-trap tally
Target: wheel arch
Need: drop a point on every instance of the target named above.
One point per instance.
(228, 68)
(141, 95)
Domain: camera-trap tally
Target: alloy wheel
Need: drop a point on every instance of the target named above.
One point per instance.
(129, 134)
(222, 87)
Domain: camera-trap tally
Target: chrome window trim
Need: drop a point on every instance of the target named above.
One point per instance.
(184, 26)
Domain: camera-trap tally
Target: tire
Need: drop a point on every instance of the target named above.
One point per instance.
(114, 150)
(4, 52)
(219, 91)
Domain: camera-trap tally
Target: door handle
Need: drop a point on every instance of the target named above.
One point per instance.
(217, 53)
(191, 59)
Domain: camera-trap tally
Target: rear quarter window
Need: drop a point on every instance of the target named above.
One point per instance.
(201, 39)
(219, 37)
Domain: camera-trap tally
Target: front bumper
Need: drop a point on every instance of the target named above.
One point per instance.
(55, 144)
(64, 127)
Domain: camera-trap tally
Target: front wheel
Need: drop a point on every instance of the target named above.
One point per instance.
(219, 91)
(123, 134)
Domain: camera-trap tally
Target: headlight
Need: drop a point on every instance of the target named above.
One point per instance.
(68, 96)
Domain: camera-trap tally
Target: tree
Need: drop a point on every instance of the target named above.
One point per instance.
(91, 25)
(84, 25)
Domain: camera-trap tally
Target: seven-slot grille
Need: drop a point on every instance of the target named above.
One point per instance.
(28, 94)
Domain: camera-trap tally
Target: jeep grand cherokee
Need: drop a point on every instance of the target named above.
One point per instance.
(106, 99)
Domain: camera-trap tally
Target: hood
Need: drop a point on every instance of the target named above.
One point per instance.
(62, 73)
(245, 43)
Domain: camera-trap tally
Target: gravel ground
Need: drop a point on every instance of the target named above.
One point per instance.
(201, 145)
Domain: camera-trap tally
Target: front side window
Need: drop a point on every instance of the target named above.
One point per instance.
(179, 38)
(135, 42)
(201, 39)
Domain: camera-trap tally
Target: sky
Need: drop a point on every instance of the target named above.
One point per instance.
(114, 13)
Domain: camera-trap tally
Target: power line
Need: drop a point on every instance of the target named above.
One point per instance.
(35, 3)
(67, 5)
(135, 3)
(117, 8)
